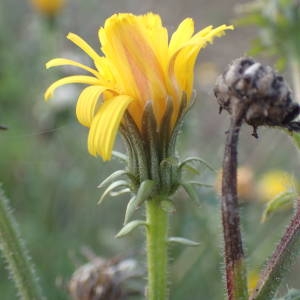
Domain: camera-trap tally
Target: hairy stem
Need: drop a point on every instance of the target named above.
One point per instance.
(157, 250)
(236, 280)
(280, 261)
(15, 253)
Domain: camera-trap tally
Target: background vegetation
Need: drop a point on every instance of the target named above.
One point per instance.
(51, 179)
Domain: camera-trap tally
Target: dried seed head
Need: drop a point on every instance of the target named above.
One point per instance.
(265, 95)
(102, 279)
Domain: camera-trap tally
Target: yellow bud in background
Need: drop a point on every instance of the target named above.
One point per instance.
(273, 183)
(253, 278)
(48, 7)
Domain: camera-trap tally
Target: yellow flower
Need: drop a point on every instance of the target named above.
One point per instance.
(253, 278)
(48, 7)
(139, 64)
(275, 182)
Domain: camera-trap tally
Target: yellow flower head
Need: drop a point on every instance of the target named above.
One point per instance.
(139, 64)
(48, 7)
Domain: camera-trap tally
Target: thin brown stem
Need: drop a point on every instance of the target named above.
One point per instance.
(234, 255)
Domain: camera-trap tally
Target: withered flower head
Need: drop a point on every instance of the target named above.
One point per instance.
(259, 91)
(102, 279)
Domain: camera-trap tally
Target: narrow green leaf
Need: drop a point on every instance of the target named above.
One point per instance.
(144, 192)
(197, 159)
(114, 176)
(283, 200)
(183, 241)
(183, 110)
(149, 130)
(119, 192)
(168, 206)
(120, 156)
(165, 132)
(15, 253)
(190, 169)
(114, 185)
(165, 127)
(130, 209)
(169, 161)
(137, 140)
(202, 184)
(129, 227)
(132, 156)
(191, 191)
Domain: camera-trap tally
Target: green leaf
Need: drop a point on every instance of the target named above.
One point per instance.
(114, 185)
(149, 130)
(114, 176)
(183, 241)
(130, 209)
(15, 253)
(144, 192)
(120, 156)
(167, 206)
(129, 227)
(169, 161)
(207, 185)
(191, 191)
(120, 192)
(197, 159)
(190, 169)
(283, 200)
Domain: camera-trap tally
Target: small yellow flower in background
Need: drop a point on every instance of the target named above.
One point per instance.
(274, 183)
(139, 64)
(48, 7)
(253, 278)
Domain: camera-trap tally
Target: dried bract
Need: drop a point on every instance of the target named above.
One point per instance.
(260, 91)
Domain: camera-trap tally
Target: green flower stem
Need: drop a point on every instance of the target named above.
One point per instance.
(157, 250)
(15, 254)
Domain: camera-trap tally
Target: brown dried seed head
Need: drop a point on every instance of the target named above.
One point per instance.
(265, 93)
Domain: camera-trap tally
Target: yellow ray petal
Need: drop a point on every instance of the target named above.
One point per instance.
(184, 58)
(182, 34)
(209, 33)
(87, 104)
(67, 80)
(202, 38)
(127, 42)
(156, 35)
(63, 61)
(77, 40)
(105, 125)
(184, 68)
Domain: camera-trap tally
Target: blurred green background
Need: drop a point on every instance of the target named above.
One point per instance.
(51, 179)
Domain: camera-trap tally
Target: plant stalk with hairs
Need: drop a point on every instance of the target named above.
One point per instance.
(255, 94)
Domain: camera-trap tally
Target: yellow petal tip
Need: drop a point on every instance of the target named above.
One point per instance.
(69, 35)
(47, 65)
(47, 95)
